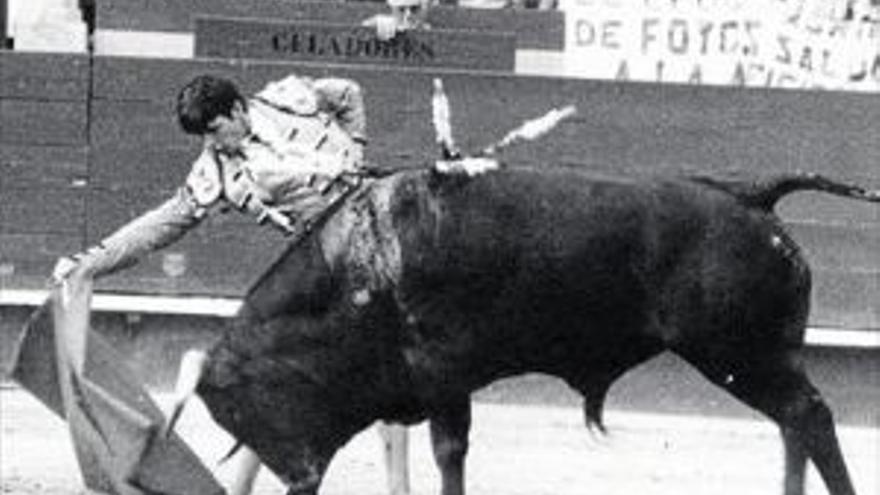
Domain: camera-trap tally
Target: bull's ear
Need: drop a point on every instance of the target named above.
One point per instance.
(191, 367)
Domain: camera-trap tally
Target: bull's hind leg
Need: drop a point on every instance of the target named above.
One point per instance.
(795, 463)
(776, 386)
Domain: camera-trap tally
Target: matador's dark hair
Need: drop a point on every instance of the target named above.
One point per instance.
(203, 99)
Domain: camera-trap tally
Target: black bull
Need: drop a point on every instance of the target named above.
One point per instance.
(424, 288)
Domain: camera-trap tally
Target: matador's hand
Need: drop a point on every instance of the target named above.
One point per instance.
(63, 268)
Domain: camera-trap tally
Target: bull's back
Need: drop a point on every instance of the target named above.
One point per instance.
(525, 268)
(542, 270)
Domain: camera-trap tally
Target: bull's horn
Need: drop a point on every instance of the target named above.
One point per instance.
(191, 366)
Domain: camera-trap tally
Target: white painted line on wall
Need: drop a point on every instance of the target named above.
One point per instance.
(128, 303)
(841, 337)
(226, 307)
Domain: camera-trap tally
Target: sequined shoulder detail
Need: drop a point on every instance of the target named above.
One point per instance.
(204, 180)
(292, 94)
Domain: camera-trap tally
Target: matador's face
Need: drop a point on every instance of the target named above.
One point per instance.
(226, 133)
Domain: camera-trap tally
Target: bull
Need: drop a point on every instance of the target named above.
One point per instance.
(424, 288)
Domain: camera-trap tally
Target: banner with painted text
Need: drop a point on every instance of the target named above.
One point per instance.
(755, 43)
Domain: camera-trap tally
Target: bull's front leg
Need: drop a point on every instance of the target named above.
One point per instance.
(450, 426)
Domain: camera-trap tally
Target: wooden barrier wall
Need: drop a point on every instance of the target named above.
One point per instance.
(535, 30)
(124, 140)
(43, 163)
(138, 155)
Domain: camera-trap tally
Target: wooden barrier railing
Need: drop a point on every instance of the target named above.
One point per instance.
(43, 162)
(629, 128)
(134, 155)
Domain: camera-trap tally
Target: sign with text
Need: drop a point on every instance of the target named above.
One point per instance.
(758, 43)
(348, 44)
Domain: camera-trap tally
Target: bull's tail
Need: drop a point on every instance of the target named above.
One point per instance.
(764, 194)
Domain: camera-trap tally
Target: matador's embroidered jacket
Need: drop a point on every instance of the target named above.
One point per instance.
(306, 134)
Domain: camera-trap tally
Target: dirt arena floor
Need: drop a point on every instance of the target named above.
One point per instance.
(522, 449)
